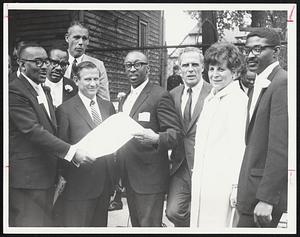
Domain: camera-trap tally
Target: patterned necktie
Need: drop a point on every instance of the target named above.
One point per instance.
(96, 117)
(187, 114)
(73, 69)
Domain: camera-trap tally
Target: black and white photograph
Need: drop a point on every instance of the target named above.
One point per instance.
(149, 118)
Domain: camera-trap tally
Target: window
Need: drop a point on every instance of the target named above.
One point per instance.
(142, 33)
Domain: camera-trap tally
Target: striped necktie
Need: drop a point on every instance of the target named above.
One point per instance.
(96, 117)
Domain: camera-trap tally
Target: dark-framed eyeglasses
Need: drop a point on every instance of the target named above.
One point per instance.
(136, 65)
(38, 61)
(256, 50)
(62, 64)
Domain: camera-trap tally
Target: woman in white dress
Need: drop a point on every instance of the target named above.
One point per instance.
(219, 144)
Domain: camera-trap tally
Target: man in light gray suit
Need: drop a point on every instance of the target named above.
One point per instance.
(77, 38)
(189, 100)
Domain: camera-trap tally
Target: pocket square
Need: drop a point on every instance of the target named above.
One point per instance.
(40, 99)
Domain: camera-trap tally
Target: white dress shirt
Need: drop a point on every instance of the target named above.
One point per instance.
(260, 82)
(71, 59)
(87, 101)
(195, 95)
(133, 95)
(56, 91)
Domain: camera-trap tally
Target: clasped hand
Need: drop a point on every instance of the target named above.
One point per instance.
(146, 136)
(263, 214)
(83, 157)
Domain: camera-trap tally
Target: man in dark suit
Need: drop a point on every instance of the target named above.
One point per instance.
(61, 88)
(33, 146)
(175, 79)
(77, 38)
(179, 196)
(262, 187)
(144, 159)
(87, 192)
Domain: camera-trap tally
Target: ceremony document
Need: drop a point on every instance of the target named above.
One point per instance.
(110, 135)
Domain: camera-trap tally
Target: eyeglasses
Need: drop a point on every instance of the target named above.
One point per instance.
(137, 65)
(256, 50)
(38, 61)
(62, 64)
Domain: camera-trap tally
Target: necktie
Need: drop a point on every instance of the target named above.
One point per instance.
(96, 117)
(187, 114)
(73, 69)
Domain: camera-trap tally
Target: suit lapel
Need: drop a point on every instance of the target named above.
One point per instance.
(83, 112)
(250, 121)
(141, 98)
(42, 106)
(199, 105)
(103, 111)
(177, 101)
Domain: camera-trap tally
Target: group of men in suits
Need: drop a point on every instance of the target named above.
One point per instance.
(45, 124)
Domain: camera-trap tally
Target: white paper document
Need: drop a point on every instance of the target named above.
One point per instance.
(110, 135)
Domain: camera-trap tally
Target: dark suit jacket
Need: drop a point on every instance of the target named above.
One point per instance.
(74, 122)
(185, 150)
(69, 94)
(264, 169)
(147, 166)
(33, 147)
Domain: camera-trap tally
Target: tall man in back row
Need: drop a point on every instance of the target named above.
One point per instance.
(262, 186)
(144, 159)
(77, 38)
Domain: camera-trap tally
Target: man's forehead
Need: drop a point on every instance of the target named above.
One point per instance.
(89, 71)
(57, 53)
(136, 56)
(78, 30)
(256, 40)
(37, 52)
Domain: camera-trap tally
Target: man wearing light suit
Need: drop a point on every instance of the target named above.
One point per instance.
(87, 192)
(182, 158)
(33, 147)
(77, 38)
(144, 159)
(262, 186)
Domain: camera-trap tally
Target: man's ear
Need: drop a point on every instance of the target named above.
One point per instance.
(21, 65)
(276, 51)
(148, 68)
(67, 37)
(76, 79)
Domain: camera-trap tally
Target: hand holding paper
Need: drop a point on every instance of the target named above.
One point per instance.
(146, 136)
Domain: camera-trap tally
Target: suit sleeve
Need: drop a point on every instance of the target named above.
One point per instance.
(274, 178)
(170, 128)
(23, 115)
(103, 91)
(62, 125)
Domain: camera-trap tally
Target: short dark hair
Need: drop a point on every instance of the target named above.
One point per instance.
(28, 45)
(225, 52)
(82, 65)
(77, 23)
(273, 38)
(20, 45)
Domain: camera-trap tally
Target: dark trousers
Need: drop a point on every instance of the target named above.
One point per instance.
(145, 210)
(30, 207)
(247, 220)
(83, 213)
(179, 197)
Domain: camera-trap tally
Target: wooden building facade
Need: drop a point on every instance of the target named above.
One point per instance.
(112, 35)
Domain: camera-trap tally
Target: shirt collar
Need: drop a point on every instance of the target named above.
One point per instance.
(265, 73)
(197, 88)
(139, 89)
(36, 86)
(85, 99)
(225, 91)
(71, 58)
(53, 84)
